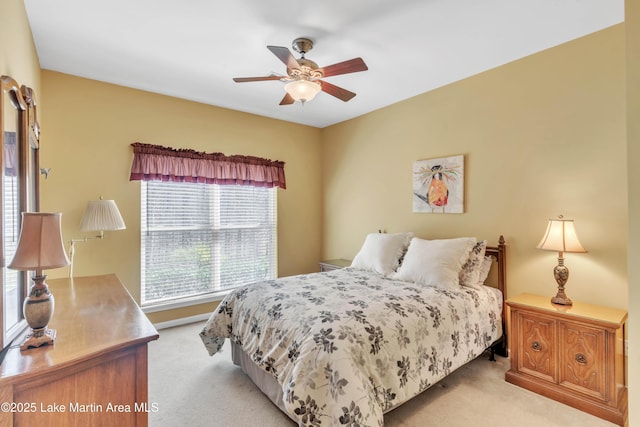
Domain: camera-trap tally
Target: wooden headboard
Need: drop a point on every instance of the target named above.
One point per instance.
(499, 253)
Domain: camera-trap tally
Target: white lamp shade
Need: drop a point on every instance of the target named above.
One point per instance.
(302, 90)
(101, 215)
(40, 246)
(561, 237)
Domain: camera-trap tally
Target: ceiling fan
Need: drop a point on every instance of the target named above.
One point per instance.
(304, 77)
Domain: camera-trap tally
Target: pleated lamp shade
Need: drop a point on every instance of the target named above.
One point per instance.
(101, 215)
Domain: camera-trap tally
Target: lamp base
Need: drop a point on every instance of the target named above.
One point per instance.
(37, 309)
(38, 338)
(561, 274)
(561, 298)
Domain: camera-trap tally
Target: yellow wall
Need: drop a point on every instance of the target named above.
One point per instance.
(632, 24)
(541, 136)
(86, 139)
(18, 58)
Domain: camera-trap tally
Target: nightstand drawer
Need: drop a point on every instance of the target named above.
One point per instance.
(582, 359)
(537, 346)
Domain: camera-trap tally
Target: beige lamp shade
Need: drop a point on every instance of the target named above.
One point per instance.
(561, 237)
(40, 246)
(101, 215)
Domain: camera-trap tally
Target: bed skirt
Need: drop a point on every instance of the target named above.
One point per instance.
(265, 382)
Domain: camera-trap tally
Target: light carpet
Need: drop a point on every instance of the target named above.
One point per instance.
(193, 389)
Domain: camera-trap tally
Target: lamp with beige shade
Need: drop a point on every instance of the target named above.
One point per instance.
(40, 247)
(561, 237)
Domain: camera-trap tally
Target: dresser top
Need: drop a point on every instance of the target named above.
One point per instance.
(578, 310)
(93, 315)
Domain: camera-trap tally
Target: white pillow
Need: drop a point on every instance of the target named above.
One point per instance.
(470, 273)
(435, 262)
(381, 252)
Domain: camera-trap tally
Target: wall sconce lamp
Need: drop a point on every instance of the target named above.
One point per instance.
(561, 237)
(100, 215)
(40, 247)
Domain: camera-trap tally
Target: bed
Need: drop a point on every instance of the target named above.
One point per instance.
(344, 347)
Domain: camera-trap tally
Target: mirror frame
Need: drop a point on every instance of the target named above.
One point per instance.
(30, 160)
(9, 87)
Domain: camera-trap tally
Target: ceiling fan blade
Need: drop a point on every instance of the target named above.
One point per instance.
(285, 56)
(336, 91)
(351, 66)
(288, 99)
(255, 79)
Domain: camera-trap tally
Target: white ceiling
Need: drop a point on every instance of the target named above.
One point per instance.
(192, 49)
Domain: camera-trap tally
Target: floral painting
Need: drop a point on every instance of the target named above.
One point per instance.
(438, 185)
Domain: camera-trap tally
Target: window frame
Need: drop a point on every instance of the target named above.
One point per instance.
(215, 226)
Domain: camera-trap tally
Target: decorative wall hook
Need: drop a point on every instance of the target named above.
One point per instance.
(45, 172)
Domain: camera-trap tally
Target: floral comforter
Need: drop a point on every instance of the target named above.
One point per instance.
(348, 345)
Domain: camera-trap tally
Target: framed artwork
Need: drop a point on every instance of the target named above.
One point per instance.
(438, 185)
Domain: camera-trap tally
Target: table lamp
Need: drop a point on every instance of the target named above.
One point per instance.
(561, 237)
(40, 247)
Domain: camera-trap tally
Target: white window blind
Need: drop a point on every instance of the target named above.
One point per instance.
(200, 239)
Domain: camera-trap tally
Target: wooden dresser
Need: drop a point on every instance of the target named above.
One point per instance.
(574, 354)
(96, 372)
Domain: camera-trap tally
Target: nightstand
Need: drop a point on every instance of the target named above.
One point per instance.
(334, 264)
(572, 354)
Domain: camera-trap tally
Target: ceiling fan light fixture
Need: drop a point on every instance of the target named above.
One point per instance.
(302, 90)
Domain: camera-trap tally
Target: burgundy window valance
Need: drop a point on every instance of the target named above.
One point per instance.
(157, 163)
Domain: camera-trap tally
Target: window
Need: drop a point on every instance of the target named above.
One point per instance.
(208, 222)
(13, 279)
(200, 239)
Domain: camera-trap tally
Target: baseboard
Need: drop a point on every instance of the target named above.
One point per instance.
(182, 321)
